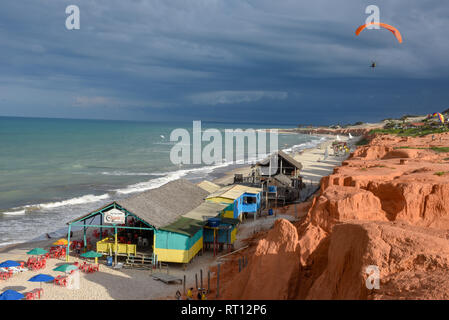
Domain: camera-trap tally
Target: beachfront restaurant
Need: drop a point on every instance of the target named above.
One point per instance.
(241, 200)
(149, 224)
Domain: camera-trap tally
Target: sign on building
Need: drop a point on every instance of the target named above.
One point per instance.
(114, 216)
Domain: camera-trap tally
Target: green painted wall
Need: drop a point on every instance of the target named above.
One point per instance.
(177, 241)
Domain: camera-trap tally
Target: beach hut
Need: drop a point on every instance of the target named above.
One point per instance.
(179, 241)
(217, 231)
(220, 232)
(146, 221)
(239, 198)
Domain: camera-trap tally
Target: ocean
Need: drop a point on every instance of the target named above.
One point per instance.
(54, 170)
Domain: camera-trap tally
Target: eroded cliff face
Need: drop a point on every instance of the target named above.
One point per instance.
(387, 205)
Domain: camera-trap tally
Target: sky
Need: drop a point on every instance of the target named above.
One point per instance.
(265, 61)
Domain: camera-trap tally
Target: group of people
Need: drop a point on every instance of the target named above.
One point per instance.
(201, 295)
(340, 148)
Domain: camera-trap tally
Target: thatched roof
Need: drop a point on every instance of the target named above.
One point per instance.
(162, 206)
(290, 160)
(284, 156)
(283, 179)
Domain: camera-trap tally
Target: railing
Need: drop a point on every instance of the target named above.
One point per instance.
(107, 245)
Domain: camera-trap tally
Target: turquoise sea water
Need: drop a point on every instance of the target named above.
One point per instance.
(52, 170)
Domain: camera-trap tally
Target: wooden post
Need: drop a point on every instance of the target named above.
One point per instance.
(214, 242)
(101, 228)
(266, 197)
(196, 281)
(218, 280)
(208, 281)
(201, 279)
(85, 240)
(184, 285)
(68, 244)
(116, 244)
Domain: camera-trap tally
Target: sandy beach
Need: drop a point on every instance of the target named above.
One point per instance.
(131, 284)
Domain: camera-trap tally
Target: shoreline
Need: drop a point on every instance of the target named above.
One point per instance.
(112, 284)
(51, 213)
(224, 178)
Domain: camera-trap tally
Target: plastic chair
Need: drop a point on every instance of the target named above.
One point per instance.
(29, 295)
(37, 292)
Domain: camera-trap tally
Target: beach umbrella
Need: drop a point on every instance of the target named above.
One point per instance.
(92, 254)
(61, 242)
(37, 252)
(41, 278)
(9, 264)
(11, 295)
(66, 268)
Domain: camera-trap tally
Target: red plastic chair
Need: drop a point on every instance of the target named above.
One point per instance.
(29, 295)
(37, 292)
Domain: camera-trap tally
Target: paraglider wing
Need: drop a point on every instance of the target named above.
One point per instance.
(437, 114)
(393, 30)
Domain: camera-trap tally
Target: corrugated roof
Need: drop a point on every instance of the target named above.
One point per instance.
(185, 226)
(208, 186)
(233, 192)
(204, 210)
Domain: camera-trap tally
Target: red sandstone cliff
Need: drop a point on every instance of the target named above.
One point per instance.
(387, 205)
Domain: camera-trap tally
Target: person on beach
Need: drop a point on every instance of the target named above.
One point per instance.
(190, 294)
(178, 295)
(199, 295)
(203, 296)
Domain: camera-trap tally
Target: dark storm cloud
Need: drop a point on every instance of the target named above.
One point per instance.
(262, 61)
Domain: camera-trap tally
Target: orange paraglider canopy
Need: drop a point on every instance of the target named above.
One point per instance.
(395, 31)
